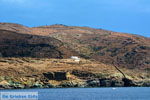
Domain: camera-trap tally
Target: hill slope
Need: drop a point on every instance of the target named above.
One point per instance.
(14, 44)
(126, 50)
(104, 51)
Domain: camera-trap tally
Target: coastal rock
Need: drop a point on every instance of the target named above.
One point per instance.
(4, 82)
(72, 84)
(60, 75)
(56, 75)
(5, 87)
(146, 83)
(49, 86)
(93, 83)
(1, 87)
(105, 82)
(17, 86)
(128, 82)
(49, 75)
(82, 73)
(37, 85)
(117, 83)
(68, 84)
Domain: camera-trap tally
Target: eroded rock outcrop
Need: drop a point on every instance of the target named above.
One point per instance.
(56, 75)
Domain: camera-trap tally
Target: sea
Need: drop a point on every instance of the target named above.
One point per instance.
(125, 93)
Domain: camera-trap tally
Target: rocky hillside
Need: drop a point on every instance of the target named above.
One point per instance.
(15, 28)
(126, 50)
(14, 44)
(106, 56)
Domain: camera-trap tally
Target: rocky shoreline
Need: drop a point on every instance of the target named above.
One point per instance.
(25, 73)
(105, 82)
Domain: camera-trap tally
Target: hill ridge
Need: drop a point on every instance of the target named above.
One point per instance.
(127, 50)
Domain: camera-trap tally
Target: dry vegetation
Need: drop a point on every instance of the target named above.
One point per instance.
(47, 49)
(20, 67)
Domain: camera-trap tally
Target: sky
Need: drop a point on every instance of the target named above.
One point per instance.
(129, 16)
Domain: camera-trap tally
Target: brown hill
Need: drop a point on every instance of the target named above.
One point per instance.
(15, 27)
(14, 44)
(126, 50)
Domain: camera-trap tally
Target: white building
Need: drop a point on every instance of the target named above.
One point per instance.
(75, 58)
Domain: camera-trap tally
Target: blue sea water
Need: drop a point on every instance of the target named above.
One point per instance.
(134, 93)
